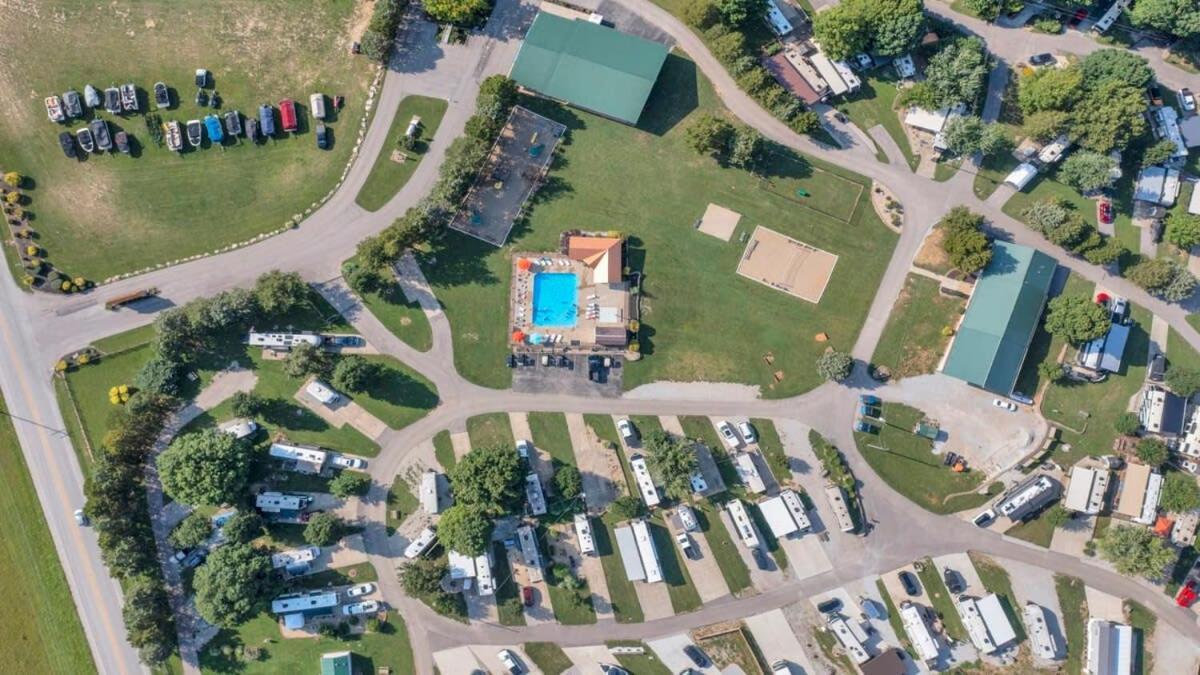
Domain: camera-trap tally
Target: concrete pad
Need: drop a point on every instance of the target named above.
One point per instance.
(599, 467)
(487, 655)
(670, 653)
(866, 588)
(778, 641)
(961, 563)
(1101, 605)
(655, 600)
(541, 611)
(672, 425)
(342, 413)
(461, 441)
(457, 660)
(539, 460)
(761, 579)
(1074, 536)
(587, 660)
(706, 574)
(1173, 652)
(347, 552)
(482, 607)
(224, 385)
(806, 556)
(1159, 331)
(1036, 586)
(719, 222)
(1149, 247)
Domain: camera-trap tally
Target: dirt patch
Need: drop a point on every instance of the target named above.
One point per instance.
(931, 256)
(728, 647)
(360, 19)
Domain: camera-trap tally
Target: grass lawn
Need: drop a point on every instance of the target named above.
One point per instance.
(127, 340)
(548, 657)
(400, 397)
(944, 170)
(912, 342)
(909, 466)
(1180, 353)
(1086, 411)
(42, 633)
(769, 539)
(621, 592)
(1046, 347)
(943, 603)
(388, 648)
(875, 104)
(89, 385)
(340, 576)
(387, 177)
(571, 607)
(893, 616)
(550, 433)
(642, 664)
(400, 498)
(647, 423)
(832, 649)
(508, 600)
(684, 597)
(406, 320)
(443, 450)
(996, 580)
(1143, 622)
(1073, 600)
(115, 213)
(772, 449)
(724, 548)
(1046, 186)
(661, 188)
(490, 429)
(1037, 531)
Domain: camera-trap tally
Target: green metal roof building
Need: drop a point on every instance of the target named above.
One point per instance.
(1001, 317)
(589, 66)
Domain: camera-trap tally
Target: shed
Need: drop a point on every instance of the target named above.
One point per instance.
(589, 66)
(1001, 317)
(1189, 128)
(1020, 176)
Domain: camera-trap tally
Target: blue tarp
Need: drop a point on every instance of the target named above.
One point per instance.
(1114, 347)
(213, 124)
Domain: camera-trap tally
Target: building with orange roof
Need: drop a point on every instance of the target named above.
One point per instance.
(600, 254)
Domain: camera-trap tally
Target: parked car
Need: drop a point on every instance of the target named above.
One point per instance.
(523, 448)
(1187, 594)
(760, 558)
(984, 519)
(1120, 310)
(727, 434)
(81, 518)
(747, 432)
(1004, 405)
(685, 545)
(610, 669)
(322, 137)
(527, 595)
(349, 462)
(1187, 100)
(954, 581)
(1043, 59)
(509, 660)
(195, 558)
(346, 341)
(628, 432)
(698, 657)
(364, 607)
(909, 581)
(687, 518)
(360, 590)
(1021, 398)
(830, 606)
(1104, 211)
(1154, 95)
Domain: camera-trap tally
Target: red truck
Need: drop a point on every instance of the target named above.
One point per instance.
(287, 112)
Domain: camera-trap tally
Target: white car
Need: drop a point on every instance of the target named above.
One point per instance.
(1187, 99)
(698, 482)
(747, 432)
(627, 431)
(727, 434)
(523, 448)
(509, 660)
(365, 607)
(349, 462)
(359, 590)
(81, 519)
(1189, 465)
(1004, 405)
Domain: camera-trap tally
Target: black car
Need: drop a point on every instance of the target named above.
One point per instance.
(760, 557)
(564, 362)
(322, 137)
(954, 581)
(67, 141)
(1043, 59)
(511, 361)
(201, 98)
(693, 652)
(910, 583)
(829, 606)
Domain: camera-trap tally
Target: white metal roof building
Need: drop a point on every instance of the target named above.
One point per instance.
(784, 514)
(239, 428)
(1166, 122)
(1194, 202)
(854, 648)
(742, 523)
(1085, 492)
(299, 458)
(630, 558)
(1020, 176)
(421, 544)
(534, 494)
(996, 620)
(1042, 640)
(932, 121)
(918, 631)
(1109, 648)
(429, 492)
(1054, 150)
(294, 557)
(461, 566)
(841, 510)
(529, 552)
(283, 341)
(1157, 185)
(277, 502)
(748, 473)
(641, 475)
(483, 574)
(647, 551)
(583, 532)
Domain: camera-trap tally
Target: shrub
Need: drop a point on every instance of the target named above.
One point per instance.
(834, 366)
(1127, 424)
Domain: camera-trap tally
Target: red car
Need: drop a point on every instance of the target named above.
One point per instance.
(1078, 17)
(1187, 594)
(1104, 211)
(527, 596)
(287, 112)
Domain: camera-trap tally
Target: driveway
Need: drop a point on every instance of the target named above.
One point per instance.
(539, 460)
(806, 555)
(961, 564)
(778, 642)
(705, 573)
(1036, 586)
(598, 465)
(670, 652)
(343, 412)
(587, 660)
(762, 579)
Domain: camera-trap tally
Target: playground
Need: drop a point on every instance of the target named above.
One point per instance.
(512, 172)
(786, 264)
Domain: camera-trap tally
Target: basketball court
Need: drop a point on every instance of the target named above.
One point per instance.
(719, 222)
(787, 265)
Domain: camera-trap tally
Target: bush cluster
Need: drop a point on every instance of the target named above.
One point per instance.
(381, 31)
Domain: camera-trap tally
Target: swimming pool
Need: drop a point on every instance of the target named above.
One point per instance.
(554, 300)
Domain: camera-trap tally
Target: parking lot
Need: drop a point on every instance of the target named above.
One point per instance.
(568, 376)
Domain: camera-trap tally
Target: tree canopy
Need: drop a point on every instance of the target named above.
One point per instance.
(1116, 65)
(834, 366)
(1164, 277)
(963, 240)
(1183, 381)
(958, 73)
(886, 27)
(709, 134)
(674, 461)
(191, 531)
(1152, 451)
(324, 529)
(1135, 551)
(465, 528)
(206, 468)
(1180, 493)
(1177, 17)
(355, 373)
(458, 12)
(968, 134)
(1087, 171)
(280, 292)
(489, 477)
(349, 483)
(568, 481)
(1110, 116)
(1050, 89)
(1183, 229)
(1076, 319)
(244, 527)
(737, 12)
(231, 584)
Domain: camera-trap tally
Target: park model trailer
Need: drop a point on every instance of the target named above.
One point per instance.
(287, 114)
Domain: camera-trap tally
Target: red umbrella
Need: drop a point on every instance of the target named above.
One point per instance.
(524, 264)
(518, 336)
(1102, 298)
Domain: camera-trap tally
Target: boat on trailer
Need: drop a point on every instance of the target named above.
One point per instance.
(129, 100)
(71, 103)
(100, 132)
(233, 123)
(112, 100)
(85, 139)
(162, 95)
(213, 124)
(54, 109)
(195, 133)
(122, 140)
(91, 96)
(174, 136)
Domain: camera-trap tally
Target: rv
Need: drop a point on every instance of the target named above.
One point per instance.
(287, 113)
(424, 541)
(317, 103)
(641, 474)
(583, 531)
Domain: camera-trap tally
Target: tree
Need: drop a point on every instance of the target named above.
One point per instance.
(958, 73)
(1159, 153)
(990, 10)
(423, 577)
(1110, 117)
(232, 584)
(1183, 381)
(354, 373)
(158, 376)
(710, 134)
(149, 624)
(1152, 451)
(1045, 214)
(247, 404)
(1177, 17)
(968, 134)
(1051, 371)
(1087, 171)
(1048, 89)
(489, 477)
(568, 481)
(1109, 251)
(324, 529)
(1135, 551)
(1046, 125)
(747, 149)
(305, 360)
(1057, 516)
(841, 30)
(1180, 493)
(175, 337)
(886, 27)
(280, 292)
(458, 12)
(191, 532)
(349, 484)
(738, 12)
(244, 527)
(1183, 230)
(1163, 277)
(834, 366)
(701, 14)
(1181, 286)
(969, 250)
(626, 507)
(1127, 424)
(1122, 66)
(206, 468)
(466, 529)
(673, 461)
(1076, 319)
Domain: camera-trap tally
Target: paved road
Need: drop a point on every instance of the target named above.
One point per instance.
(902, 531)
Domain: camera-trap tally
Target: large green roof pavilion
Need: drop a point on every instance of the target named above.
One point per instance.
(589, 66)
(1001, 317)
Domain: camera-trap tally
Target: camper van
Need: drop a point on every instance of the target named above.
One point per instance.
(317, 103)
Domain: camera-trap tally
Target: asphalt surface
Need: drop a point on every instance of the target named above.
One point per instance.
(35, 329)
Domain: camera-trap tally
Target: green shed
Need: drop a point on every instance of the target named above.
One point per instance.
(589, 66)
(1001, 318)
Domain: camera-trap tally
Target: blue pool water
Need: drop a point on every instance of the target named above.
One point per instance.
(554, 300)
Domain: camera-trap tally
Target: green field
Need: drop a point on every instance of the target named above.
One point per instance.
(400, 397)
(115, 213)
(406, 320)
(42, 633)
(906, 462)
(1036, 531)
(490, 429)
(571, 607)
(912, 342)
(684, 597)
(550, 434)
(443, 450)
(387, 177)
(648, 184)
(1072, 598)
(875, 104)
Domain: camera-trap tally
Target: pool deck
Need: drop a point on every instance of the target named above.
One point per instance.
(597, 305)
